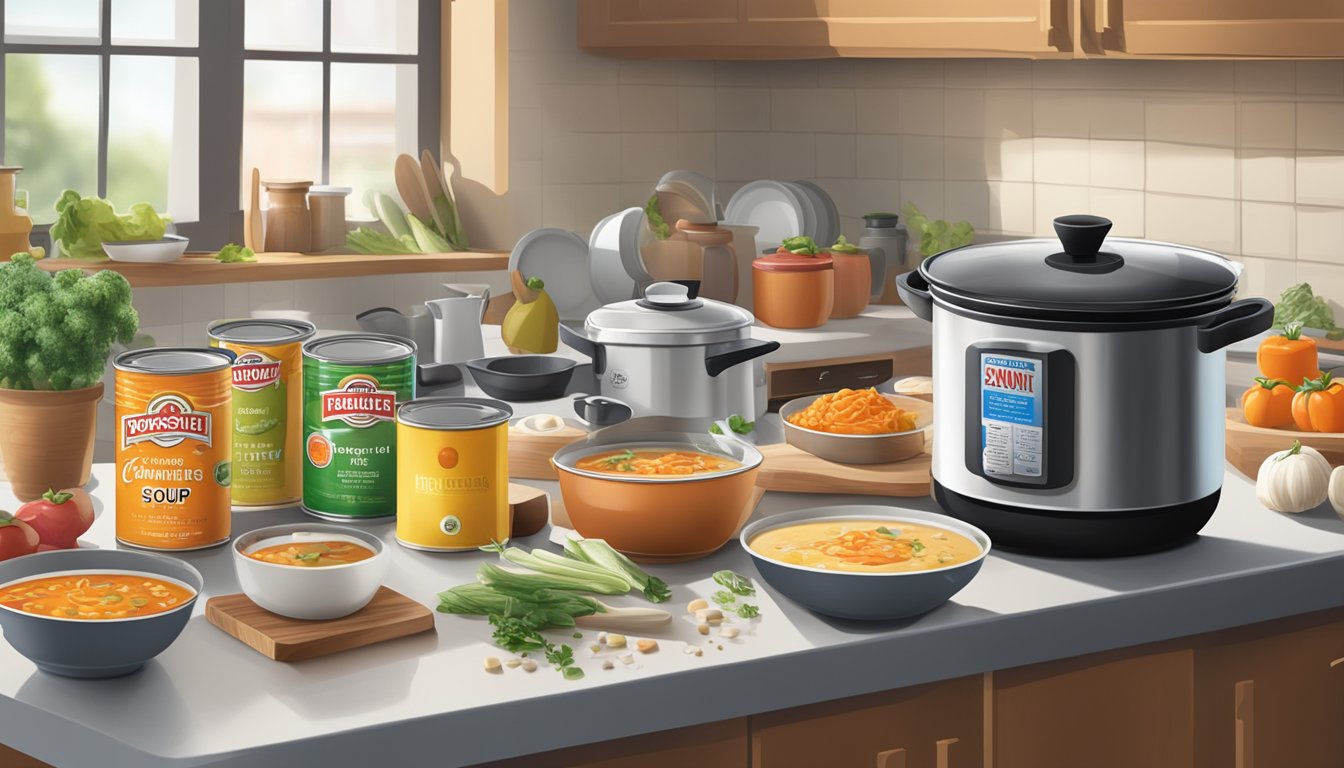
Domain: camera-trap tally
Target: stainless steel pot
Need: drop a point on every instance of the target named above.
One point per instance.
(669, 354)
(1081, 390)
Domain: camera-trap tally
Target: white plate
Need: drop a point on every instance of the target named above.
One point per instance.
(700, 189)
(828, 218)
(168, 248)
(560, 258)
(772, 207)
(615, 264)
(811, 211)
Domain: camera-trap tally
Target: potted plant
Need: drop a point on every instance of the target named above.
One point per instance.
(55, 334)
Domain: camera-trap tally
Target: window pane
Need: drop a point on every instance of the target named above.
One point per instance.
(62, 21)
(152, 134)
(282, 121)
(356, 27)
(155, 22)
(373, 119)
(282, 25)
(51, 126)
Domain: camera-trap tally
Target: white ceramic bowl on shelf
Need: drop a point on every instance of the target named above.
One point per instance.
(165, 249)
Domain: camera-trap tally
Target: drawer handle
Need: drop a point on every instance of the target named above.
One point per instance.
(1245, 713)
(1336, 663)
(892, 758)
(943, 746)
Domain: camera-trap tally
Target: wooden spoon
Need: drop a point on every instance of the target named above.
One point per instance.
(411, 187)
(252, 232)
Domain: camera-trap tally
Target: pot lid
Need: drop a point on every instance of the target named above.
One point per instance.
(174, 360)
(793, 262)
(880, 220)
(454, 413)
(360, 349)
(1082, 275)
(667, 316)
(261, 331)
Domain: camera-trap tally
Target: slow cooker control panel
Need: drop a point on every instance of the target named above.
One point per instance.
(1020, 414)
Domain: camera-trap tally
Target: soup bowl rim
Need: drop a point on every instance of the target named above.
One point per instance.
(186, 604)
(253, 538)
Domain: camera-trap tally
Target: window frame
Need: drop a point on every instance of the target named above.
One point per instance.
(221, 56)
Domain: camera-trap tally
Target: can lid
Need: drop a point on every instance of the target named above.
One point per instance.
(253, 331)
(454, 413)
(174, 360)
(360, 348)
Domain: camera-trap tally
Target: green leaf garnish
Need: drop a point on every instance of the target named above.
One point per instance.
(883, 530)
(738, 585)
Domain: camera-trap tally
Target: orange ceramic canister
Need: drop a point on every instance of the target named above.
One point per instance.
(174, 444)
(793, 290)
(853, 280)
(452, 473)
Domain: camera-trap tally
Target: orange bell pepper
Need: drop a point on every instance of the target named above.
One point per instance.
(1290, 356)
(1268, 403)
(1318, 405)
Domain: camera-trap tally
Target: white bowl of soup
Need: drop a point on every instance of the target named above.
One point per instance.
(94, 613)
(310, 571)
(866, 562)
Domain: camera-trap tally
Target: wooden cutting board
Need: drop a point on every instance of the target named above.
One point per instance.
(1248, 446)
(792, 470)
(389, 615)
(530, 452)
(530, 508)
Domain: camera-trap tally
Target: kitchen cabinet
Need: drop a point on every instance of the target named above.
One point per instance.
(793, 29)
(716, 745)
(1214, 28)
(940, 725)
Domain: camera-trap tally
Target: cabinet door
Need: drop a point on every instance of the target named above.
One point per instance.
(1094, 712)
(1271, 700)
(921, 727)
(716, 745)
(1231, 28)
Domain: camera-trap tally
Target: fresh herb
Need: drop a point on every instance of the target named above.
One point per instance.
(620, 458)
(656, 221)
(1299, 305)
(723, 598)
(515, 634)
(599, 553)
(748, 611)
(936, 235)
(562, 659)
(234, 253)
(738, 424)
(539, 607)
(578, 635)
(308, 557)
(535, 283)
(916, 546)
(802, 245)
(883, 530)
(738, 585)
(572, 673)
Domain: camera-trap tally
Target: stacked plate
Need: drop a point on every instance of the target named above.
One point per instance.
(615, 263)
(783, 209)
(560, 258)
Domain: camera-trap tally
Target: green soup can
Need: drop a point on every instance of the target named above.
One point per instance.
(352, 385)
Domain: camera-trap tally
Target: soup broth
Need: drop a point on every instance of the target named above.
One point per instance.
(865, 546)
(95, 596)
(656, 462)
(312, 554)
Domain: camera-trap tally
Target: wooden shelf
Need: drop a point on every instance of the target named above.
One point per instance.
(202, 269)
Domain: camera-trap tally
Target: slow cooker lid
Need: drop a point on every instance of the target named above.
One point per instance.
(667, 316)
(1082, 273)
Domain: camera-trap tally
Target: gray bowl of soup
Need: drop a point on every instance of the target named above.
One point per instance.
(866, 562)
(93, 613)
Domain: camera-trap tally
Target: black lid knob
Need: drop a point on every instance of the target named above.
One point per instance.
(1082, 235)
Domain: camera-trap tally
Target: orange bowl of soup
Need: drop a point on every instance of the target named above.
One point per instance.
(94, 613)
(310, 570)
(658, 488)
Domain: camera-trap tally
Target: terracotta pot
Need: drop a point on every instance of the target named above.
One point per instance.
(792, 290)
(46, 438)
(853, 283)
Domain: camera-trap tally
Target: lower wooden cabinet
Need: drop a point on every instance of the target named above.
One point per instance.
(716, 745)
(930, 726)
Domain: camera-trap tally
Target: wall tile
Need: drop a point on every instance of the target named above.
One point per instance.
(1049, 75)
(793, 156)
(887, 195)
(1008, 73)
(1011, 207)
(837, 73)
(1191, 170)
(1320, 179)
(836, 155)
(1116, 164)
(921, 111)
(202, 303)
(1268, 230)
(1322, 78)
(648, 108)
(1325, 279)
(648, 72)
(1267, 175)
(881, 73)
(1124, 207)
(696, 152)
(923, 156)
(1209, 123)
(1269, 277)
(1011, 160)
(1008, 114)
(877, 110)
(332, 296)
(928, 195)
(965, 159)
(1062, 161)
(1115, 116)
(968, 200)
(743, 156)
(158, 306)
(1200, 221)
(742, 109)
(278, 294)
(580, 158)
(1320, 126)
(964, 113)
(695, 72)
(820, 109)
(922, 73)
(695, 109)
(163, 335)
(581, 108)
(524, 134)
(1061, 114)
(1054, 200)
(645, 157)
(880, 156)
(1265, 76)
(767, 74)
(965, 73)
(1268, 124)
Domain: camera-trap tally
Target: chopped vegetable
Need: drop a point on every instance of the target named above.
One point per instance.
(541, 608)
(936, 236)
(535, 283)
(748, 611)
(801, 244)
(83, 224)
(1288, 356)
(599, 553)
(1268, 403)
(657, 224)
(737, 584)
(235, 254)
(737, 424)
(1298, 305)
(841, 245)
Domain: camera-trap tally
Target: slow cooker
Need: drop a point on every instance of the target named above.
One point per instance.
(1080, 386)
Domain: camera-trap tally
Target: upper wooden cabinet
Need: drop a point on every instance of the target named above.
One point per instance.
(1214, 28)
(798, 29)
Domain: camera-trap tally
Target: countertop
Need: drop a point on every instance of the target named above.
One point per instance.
(210, 700)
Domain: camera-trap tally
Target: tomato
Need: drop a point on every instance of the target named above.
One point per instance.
(16, 537)
(1289, 357)
(1268, 403)
(1318, 405)
(59, 517)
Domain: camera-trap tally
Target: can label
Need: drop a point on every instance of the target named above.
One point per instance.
(266, 432)
(350, 438)
(1012, 423)
(173, 461)
(452, 487)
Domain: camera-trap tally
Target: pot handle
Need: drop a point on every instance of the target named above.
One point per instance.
(580, 343)
(914, 291)
(1235, 322)
(724, 355)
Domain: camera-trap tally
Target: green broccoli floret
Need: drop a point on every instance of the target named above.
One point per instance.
(56, 330)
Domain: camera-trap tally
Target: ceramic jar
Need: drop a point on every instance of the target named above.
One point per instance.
(327, 216)
(14, 221)
(288, 222)
(718, 260)
(853, 283)
(792, 290)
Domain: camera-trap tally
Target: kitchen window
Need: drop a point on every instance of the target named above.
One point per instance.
(173, 102)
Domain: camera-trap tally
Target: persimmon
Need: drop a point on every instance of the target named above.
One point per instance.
(1289, 356)
(1318, 405)
(1268, 403)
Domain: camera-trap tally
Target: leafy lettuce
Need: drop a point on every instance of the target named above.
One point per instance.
(83, 224)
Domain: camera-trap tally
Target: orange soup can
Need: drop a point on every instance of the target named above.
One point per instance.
(452, 473)
(174, 444)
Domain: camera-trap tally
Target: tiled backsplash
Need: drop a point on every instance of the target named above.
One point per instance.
(1246, 158)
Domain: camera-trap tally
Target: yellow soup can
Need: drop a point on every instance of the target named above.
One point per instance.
(452, 473)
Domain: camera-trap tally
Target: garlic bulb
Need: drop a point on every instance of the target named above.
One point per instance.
(1294, 480)
(1336, 490)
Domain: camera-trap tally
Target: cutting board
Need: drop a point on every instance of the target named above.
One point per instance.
(388, 616)
(792, 470)
(1248, 446)
(530, 452)
(530, 508)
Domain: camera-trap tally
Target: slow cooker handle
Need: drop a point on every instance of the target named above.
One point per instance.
(724, 355)
(1235, 322)
(914, 291)
(580, 343)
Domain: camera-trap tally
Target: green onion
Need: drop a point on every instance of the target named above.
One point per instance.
(599, 553)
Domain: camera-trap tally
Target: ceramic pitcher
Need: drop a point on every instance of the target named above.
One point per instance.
(457, 323)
